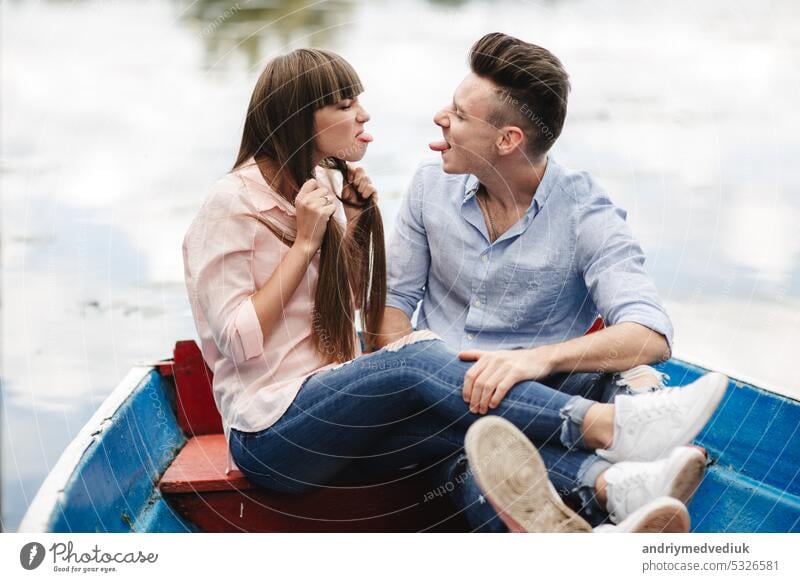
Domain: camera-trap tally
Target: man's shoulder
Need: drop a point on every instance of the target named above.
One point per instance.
(579, 185)
(582, 190)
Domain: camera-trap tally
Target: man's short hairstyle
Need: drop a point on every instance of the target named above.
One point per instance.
(532, 87)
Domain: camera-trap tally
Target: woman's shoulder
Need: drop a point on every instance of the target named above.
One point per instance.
(227, 196)
(226, 200)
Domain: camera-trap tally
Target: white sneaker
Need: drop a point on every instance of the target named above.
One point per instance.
(648, 426)
(631, 485)
(512, 477)
(661, 515)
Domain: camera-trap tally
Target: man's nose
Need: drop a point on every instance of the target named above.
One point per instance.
(363, 116)
(441, 118)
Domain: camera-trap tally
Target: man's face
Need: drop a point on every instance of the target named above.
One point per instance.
(469, 140)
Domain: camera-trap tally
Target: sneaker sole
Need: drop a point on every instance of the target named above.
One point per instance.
(512, 476)
(719, 385)
(690, 474)
(670, 516)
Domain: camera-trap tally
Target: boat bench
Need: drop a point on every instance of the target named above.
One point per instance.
(197, 487)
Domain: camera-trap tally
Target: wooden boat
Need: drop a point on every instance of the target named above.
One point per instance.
(152, 459)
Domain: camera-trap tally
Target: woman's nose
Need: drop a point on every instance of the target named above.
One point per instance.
(441, 118)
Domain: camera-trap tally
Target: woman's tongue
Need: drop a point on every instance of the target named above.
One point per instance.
(439, 146)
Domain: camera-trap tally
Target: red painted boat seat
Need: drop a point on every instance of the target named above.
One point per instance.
(195, 484)
(200, 467)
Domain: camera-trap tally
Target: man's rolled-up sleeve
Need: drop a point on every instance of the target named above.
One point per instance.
(408, 258)
(612, 262)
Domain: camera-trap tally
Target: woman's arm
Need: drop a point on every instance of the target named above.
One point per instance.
(270, 301)
(314, 206)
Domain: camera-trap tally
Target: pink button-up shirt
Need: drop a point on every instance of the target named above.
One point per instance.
(228, 256)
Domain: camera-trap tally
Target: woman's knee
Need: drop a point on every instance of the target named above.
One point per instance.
(412, 338)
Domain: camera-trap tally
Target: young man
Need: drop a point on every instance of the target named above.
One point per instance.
(513, 257)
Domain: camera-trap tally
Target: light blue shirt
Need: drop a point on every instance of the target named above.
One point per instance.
(571, 258)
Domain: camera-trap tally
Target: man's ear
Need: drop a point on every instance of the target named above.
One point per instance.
(510, 139)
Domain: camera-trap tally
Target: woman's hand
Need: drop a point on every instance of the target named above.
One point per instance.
(357, 189)
(314, 205)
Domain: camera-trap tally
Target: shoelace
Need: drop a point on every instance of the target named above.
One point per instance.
(657, 405)
(619, 491)
(637, 480)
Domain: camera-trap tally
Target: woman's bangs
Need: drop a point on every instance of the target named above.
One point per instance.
(336, 80)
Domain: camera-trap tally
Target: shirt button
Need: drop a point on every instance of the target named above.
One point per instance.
(484, 258)
(477, 303)
(470, 337)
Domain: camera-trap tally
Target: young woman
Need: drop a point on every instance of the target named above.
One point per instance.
(278, 261)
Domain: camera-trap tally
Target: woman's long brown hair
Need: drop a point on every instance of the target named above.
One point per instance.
(280, 128)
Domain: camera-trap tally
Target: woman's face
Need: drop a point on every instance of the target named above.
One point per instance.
(339, 130)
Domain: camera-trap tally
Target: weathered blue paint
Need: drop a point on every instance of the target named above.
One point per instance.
(754, 443)
(159, 517)
(114, 487)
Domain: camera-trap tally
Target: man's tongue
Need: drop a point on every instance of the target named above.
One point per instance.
(439, 146)
(365, 137)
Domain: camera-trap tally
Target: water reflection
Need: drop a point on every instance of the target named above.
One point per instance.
(258, 27)
(115, 124)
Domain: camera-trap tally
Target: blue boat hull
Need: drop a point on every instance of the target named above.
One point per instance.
(117, 464)
(754, 441)
(107, 480)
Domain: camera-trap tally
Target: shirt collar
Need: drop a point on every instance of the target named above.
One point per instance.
(546, 186)
(264, 197)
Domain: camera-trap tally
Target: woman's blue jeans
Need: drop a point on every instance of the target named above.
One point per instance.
(393, 408)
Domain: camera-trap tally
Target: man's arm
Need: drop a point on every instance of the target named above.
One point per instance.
(639, 332)
(612, 264)
(395, 325)
(613, 349)
(408, 259)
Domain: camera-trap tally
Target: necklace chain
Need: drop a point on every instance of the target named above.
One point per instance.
(492, 226)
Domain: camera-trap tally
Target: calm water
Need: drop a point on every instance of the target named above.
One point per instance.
(117, 116)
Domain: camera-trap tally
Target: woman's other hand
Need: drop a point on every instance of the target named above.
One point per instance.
(357, 189)
(314, 205)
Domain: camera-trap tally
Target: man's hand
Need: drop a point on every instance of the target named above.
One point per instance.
(495, 373)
